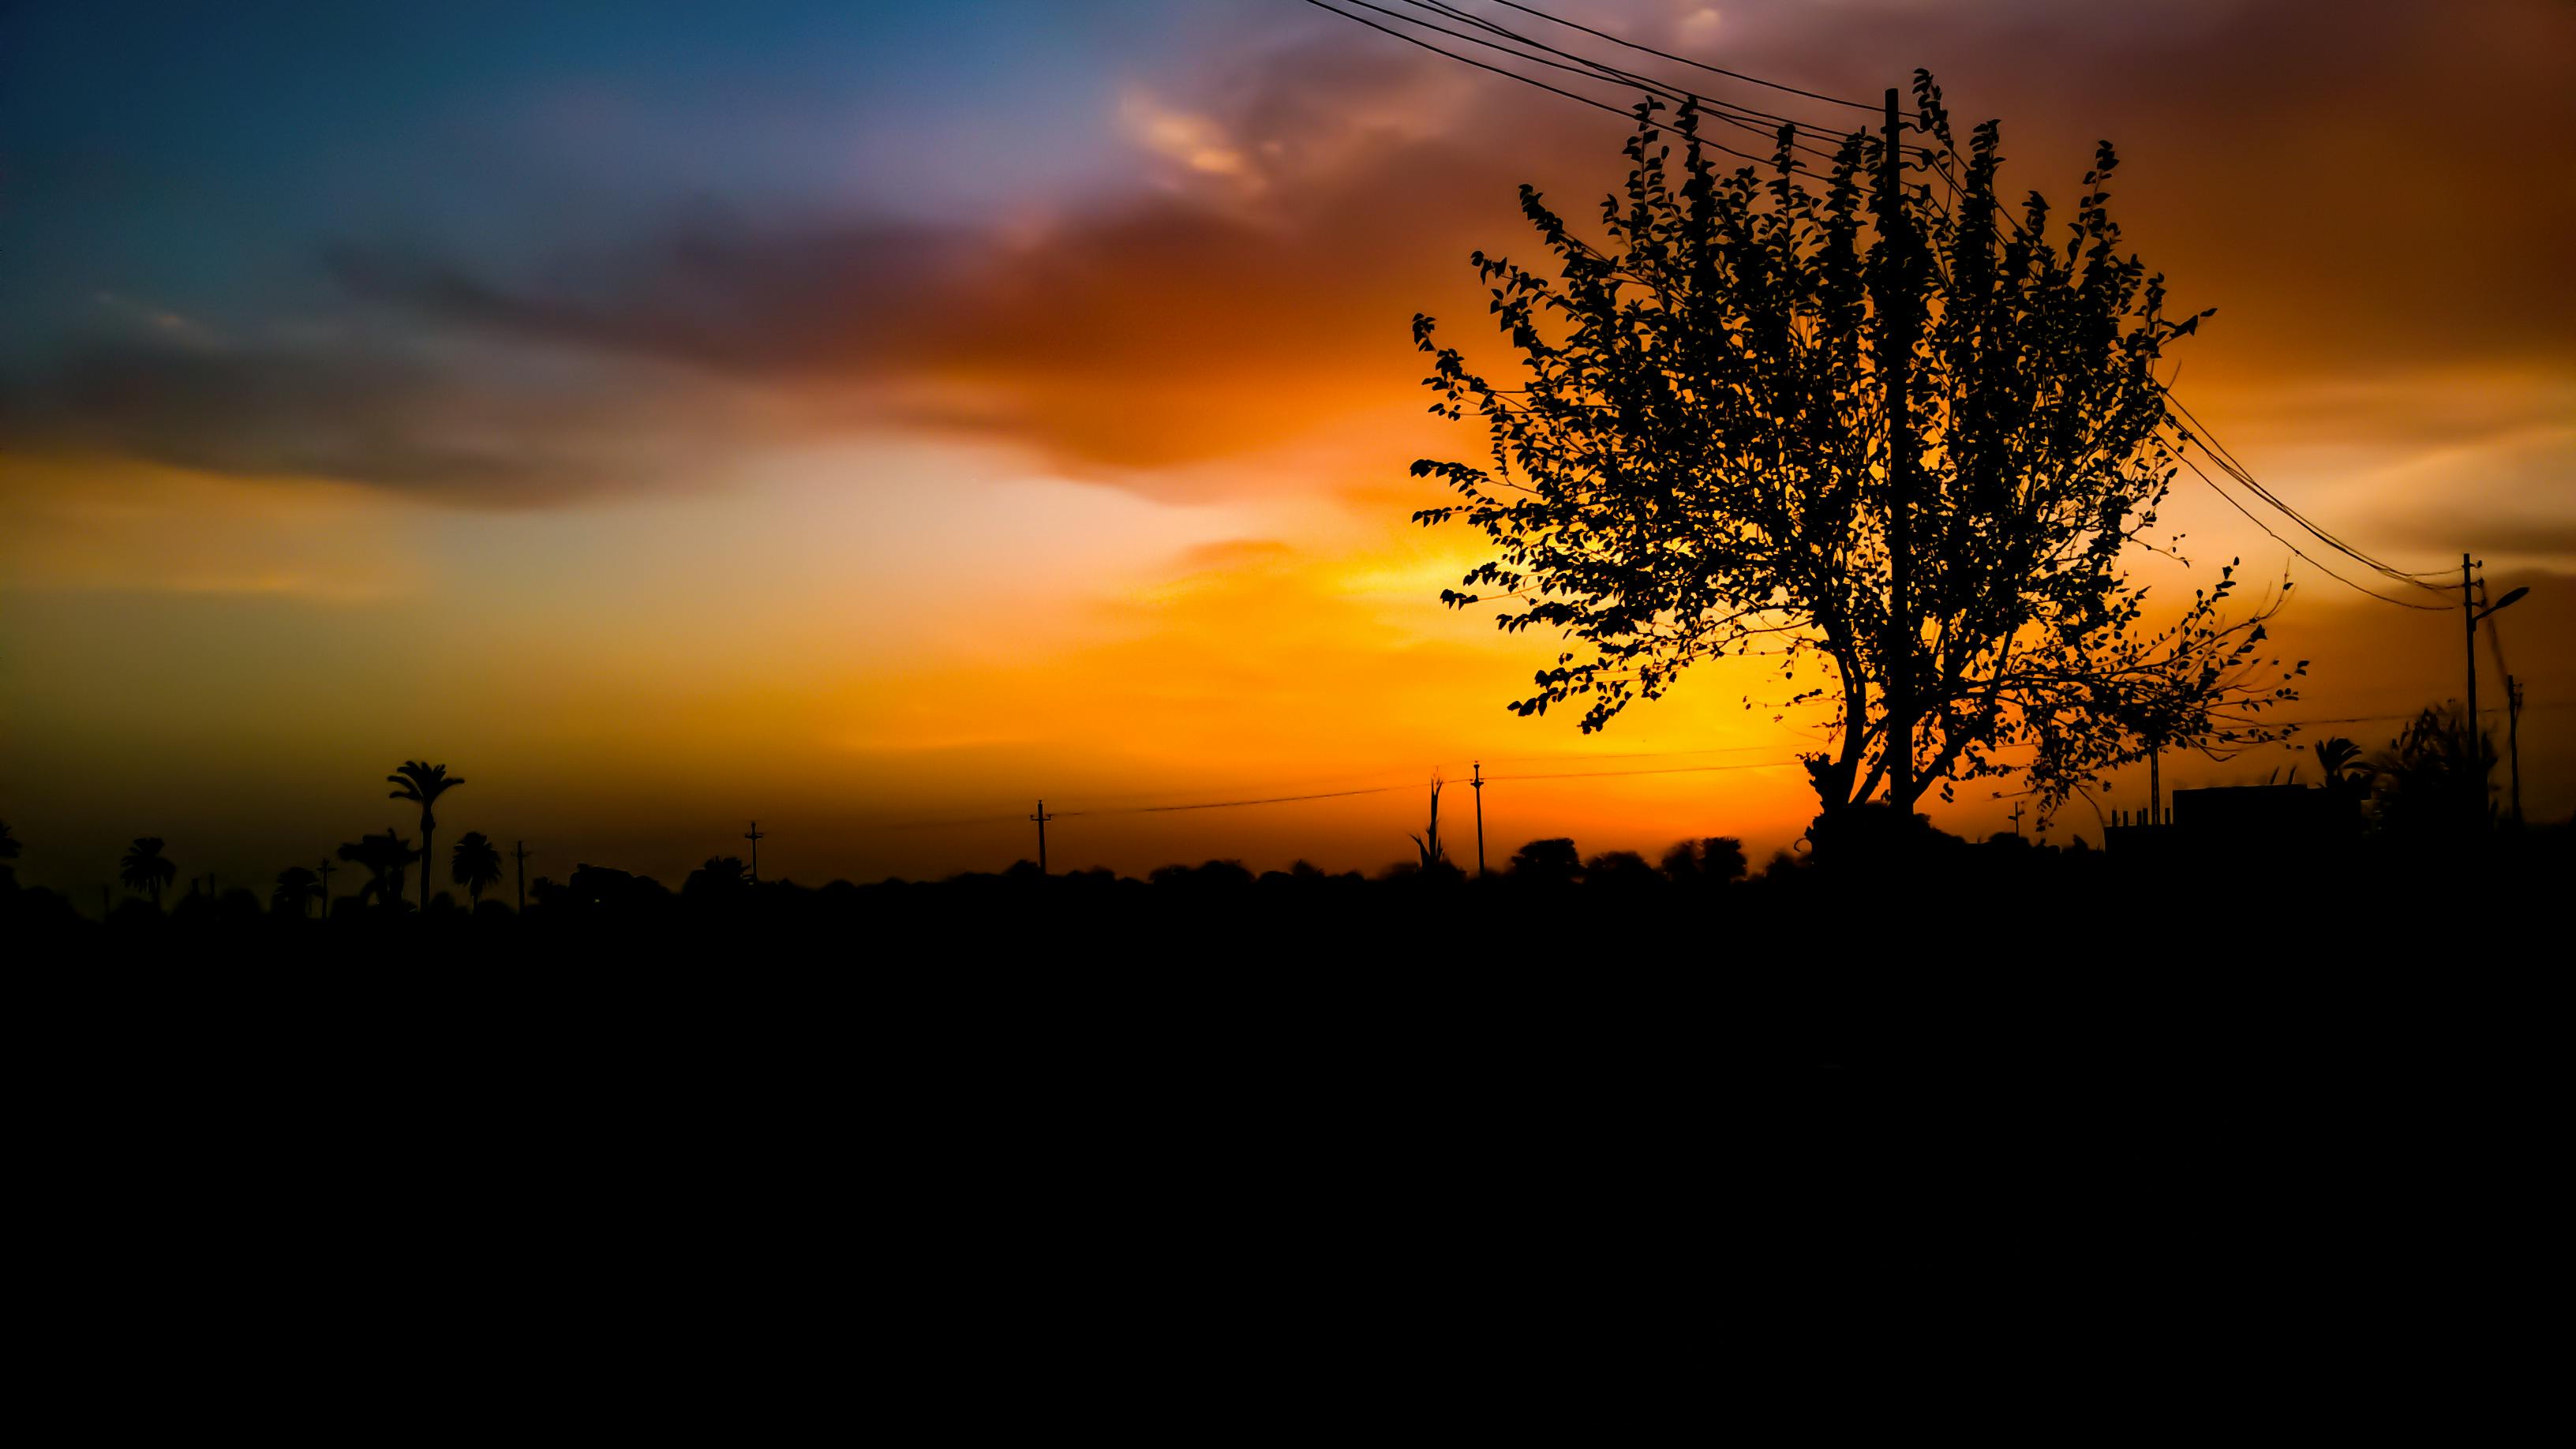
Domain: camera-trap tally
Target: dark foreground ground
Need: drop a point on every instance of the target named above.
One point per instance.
(1210, 1149)
(1939, 957)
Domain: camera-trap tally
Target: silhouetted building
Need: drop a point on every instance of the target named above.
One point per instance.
(2232, 817)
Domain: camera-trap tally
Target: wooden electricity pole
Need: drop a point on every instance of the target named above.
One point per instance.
(326, 887)
(754, 836)
(1895, 365)
(1477, 783)
(2513, 740)
(2471, 761)
(1042, 817)
(519, 853)
(2472, 598)
(2469, 622)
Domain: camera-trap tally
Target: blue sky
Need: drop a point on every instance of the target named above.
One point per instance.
(197, 158)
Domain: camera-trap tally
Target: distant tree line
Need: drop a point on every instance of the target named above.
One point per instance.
(2403, 805)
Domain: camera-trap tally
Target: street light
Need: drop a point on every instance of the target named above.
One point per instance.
(2500, 603)
(2512, 706)
(2471, 614)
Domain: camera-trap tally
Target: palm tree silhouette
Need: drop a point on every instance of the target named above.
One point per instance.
(2340, 760)
(296, 887)
(424, 783)
(475, 865)
(146, 869)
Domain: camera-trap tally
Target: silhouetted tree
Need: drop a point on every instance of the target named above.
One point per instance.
(1714, 861)
(2340, 761)
(1427, 844)
(424, 783)
(1204, 878)
(387, 859)
(606, 888)
(1547, 862)
(721, 876)
(1696, 460)
(8, 842)
(146, 869)
(296, 888)
(2428, 776)
(475, 864)
(1871, 834)
(1619, 870)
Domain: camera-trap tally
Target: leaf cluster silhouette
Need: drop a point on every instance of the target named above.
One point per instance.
(1694, 461)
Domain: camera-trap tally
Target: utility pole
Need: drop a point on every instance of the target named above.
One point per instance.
(519, 853)
(2513, 740)
(2156, 784)
(754, 836)
(2469, 619)
(2016, 819)
(1042, 817)
(2477, 778)
(2471, 590)
(1895, 366)
(1477, 783)
(2512, 698)
(326, 887)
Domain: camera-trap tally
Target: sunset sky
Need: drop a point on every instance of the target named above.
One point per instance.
(872, 418)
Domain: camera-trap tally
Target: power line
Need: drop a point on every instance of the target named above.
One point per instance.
(2220, 456)
(1593, 69)
(2234, 469)
(1685, 60)
(2413, 713)
(1233, 804)
(1410, 785)
(1665, 770)
(959, 823)
(2302, 553)
(1630, 755)
(1603, 67)
(2226, 461)
(1515, 75)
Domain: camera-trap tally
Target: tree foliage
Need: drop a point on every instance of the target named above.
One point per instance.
(296, 890)
(475, 863)
(2435, 779)
(422, 783)
(1693, 463)
(721, 875)
(388, 859)
(144, 868)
